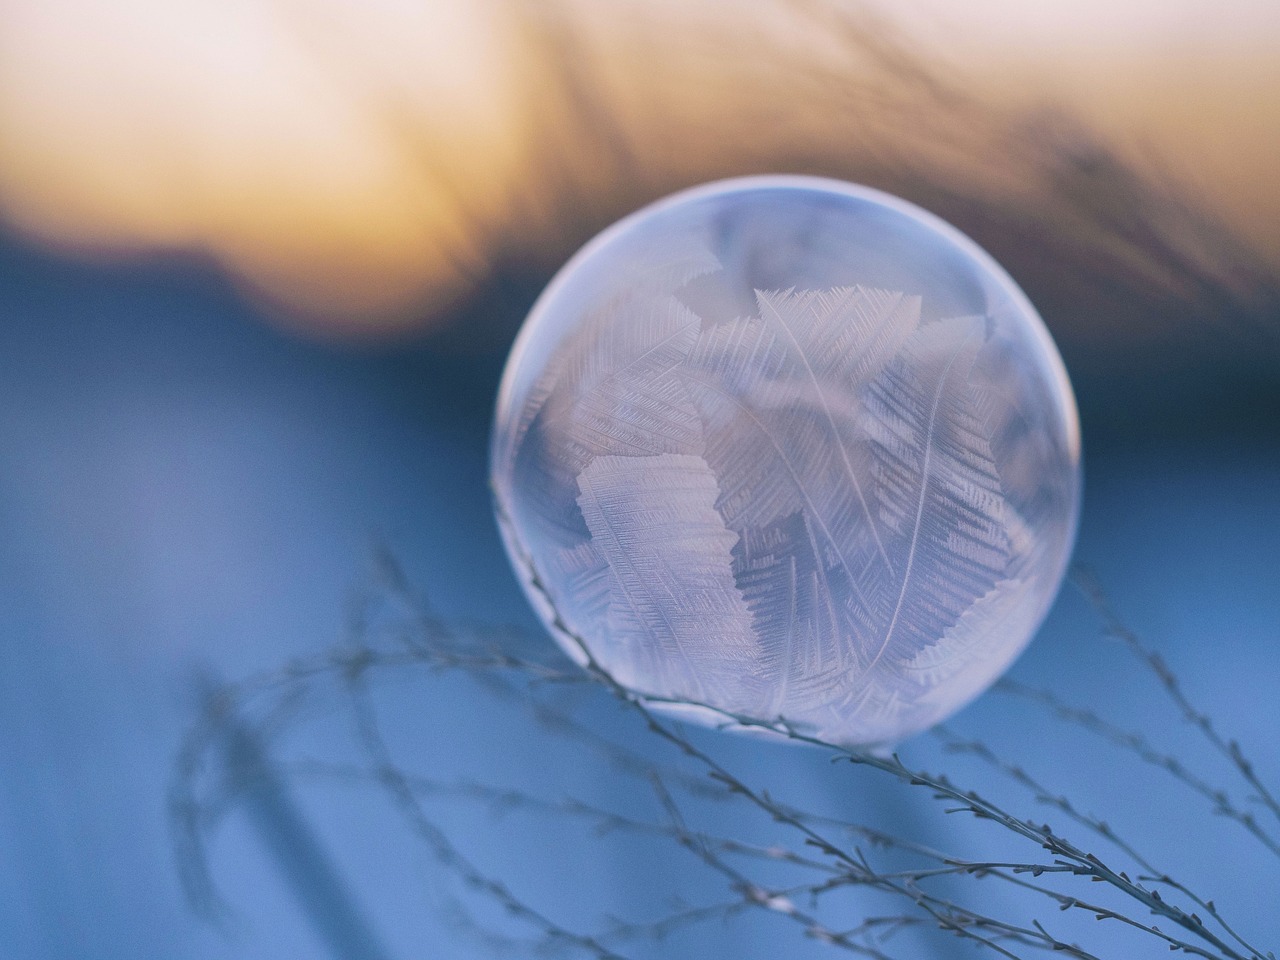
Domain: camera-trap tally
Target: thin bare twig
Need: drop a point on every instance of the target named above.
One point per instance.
(1230, 749)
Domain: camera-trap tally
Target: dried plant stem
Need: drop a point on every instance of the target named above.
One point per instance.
(1230, 749)
(1139, 746)
(823, 856)
(1083, 863)
(439, 843)
(1100, 827)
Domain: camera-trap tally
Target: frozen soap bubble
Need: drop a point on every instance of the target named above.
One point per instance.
(791, 448)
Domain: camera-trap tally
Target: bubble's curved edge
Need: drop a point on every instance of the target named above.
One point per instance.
(800, 182)
(805, 182)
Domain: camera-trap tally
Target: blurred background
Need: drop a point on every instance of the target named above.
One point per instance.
(260, 263)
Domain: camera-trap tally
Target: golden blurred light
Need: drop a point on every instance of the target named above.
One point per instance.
(361, 164)
(342, 157)
(1188, 89)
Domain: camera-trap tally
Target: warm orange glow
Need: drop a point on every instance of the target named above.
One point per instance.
(358, 163)
(1189, 89)
(338, 156)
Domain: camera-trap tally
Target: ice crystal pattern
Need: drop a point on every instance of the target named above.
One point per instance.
(830, 504)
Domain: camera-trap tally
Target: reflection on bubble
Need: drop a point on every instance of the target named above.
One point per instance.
(791, 448)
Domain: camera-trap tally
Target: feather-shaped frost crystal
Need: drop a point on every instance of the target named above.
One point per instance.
(789, 448)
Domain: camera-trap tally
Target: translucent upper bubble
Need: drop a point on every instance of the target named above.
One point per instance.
(791, 448)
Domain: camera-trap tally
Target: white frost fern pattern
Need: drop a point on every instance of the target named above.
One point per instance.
(806, 502)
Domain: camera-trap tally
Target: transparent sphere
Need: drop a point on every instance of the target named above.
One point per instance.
(791, 448)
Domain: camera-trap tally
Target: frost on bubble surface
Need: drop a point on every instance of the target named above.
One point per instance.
(846, 504)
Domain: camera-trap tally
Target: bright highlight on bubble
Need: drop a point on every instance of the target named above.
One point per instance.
(790, 448)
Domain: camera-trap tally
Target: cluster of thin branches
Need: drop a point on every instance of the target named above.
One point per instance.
(819, 856)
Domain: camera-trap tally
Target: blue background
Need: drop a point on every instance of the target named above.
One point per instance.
(186, 492)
